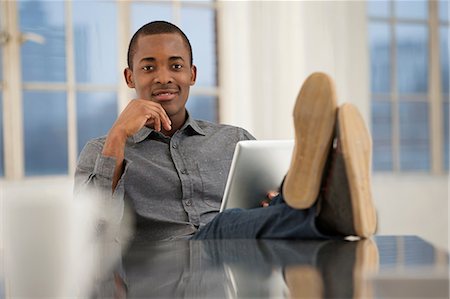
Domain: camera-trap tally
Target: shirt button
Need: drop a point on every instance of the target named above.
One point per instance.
(184, 171)
(175, 146)
(188, 202)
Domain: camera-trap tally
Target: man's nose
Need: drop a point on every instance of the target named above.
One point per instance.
(163, 76)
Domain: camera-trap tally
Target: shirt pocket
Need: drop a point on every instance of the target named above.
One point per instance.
(214, 174)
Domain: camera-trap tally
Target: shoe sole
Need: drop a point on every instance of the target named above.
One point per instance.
(357, 155)
(314, 119)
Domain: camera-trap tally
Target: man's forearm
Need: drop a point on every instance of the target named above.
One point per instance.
(115, 147)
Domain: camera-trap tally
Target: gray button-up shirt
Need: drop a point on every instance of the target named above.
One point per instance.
(174, 184)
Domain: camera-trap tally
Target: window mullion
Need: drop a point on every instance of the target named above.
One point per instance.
(176, 12)
(434, 92)
(395, 117)
(123, 8)
(71, 93)
(12, 95)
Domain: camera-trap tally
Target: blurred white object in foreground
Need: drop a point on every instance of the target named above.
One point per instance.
(57, 247)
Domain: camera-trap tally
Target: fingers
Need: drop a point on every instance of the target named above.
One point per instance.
(269, 196)
(136, 115)
(139, 113)
(265, 203)
(156, 116)
(272, 194)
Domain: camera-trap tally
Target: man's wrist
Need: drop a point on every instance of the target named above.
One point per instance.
(114, 143)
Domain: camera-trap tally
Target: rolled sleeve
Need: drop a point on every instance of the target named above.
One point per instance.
(104, 166)
(93, 178)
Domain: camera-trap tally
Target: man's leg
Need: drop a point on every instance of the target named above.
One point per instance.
(277, 221)
(314, 118)
(345, 206)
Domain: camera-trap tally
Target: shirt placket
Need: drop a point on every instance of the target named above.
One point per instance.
(185, 178)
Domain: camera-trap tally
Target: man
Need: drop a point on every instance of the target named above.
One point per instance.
(172, 169)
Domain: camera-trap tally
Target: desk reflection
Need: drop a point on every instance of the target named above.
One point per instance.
(382, 267)
(244, 269)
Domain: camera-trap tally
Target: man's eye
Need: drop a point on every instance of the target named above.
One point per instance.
(177, 66)
(148, 68)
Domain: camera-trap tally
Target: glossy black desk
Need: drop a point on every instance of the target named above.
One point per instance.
(382, 267)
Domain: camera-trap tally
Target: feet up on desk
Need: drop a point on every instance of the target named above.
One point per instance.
(314, 119)
(339, 175)
(346, 206)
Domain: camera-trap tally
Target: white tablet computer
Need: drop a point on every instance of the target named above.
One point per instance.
(258, 166)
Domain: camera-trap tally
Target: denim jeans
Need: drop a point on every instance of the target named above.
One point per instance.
(277, 221)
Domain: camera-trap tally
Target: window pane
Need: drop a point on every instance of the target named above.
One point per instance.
(446, 108)
(380, 57)
(95, 41)
(412, 9)
(203, 107)
(444, 59)
(443, 10)
(143, 13)
(414, 136)
(382, 135)
(45, 132)
(412, 58)
(43, 62)
(378, 8)
(199, 26)
(96, 112)
(2, 171)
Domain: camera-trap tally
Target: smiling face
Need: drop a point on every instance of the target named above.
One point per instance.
(161, 72)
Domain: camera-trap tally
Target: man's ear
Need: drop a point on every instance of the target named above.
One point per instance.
(128, 74)
(193, 74)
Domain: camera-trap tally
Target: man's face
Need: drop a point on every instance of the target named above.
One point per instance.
(162, 72)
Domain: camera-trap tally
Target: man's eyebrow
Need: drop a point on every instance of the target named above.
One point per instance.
(176, 58)
(152, 59)
(148, 59)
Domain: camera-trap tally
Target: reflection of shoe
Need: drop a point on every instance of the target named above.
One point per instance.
(346, 266)
(314, 118)
(346, 206)
(366, 264)
(304, 282)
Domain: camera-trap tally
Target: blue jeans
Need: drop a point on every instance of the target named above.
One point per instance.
(277, 221)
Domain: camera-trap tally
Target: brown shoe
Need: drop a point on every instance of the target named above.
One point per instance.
(346, 207)
(314, 118)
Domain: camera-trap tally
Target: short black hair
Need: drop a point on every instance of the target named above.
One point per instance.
(155, 27)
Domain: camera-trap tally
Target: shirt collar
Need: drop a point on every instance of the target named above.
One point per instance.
(191, 123)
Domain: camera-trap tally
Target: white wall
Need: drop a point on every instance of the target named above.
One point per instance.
(269, 48)
(413, 205)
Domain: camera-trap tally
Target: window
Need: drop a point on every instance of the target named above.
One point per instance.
(409, 85)
(69, 87)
